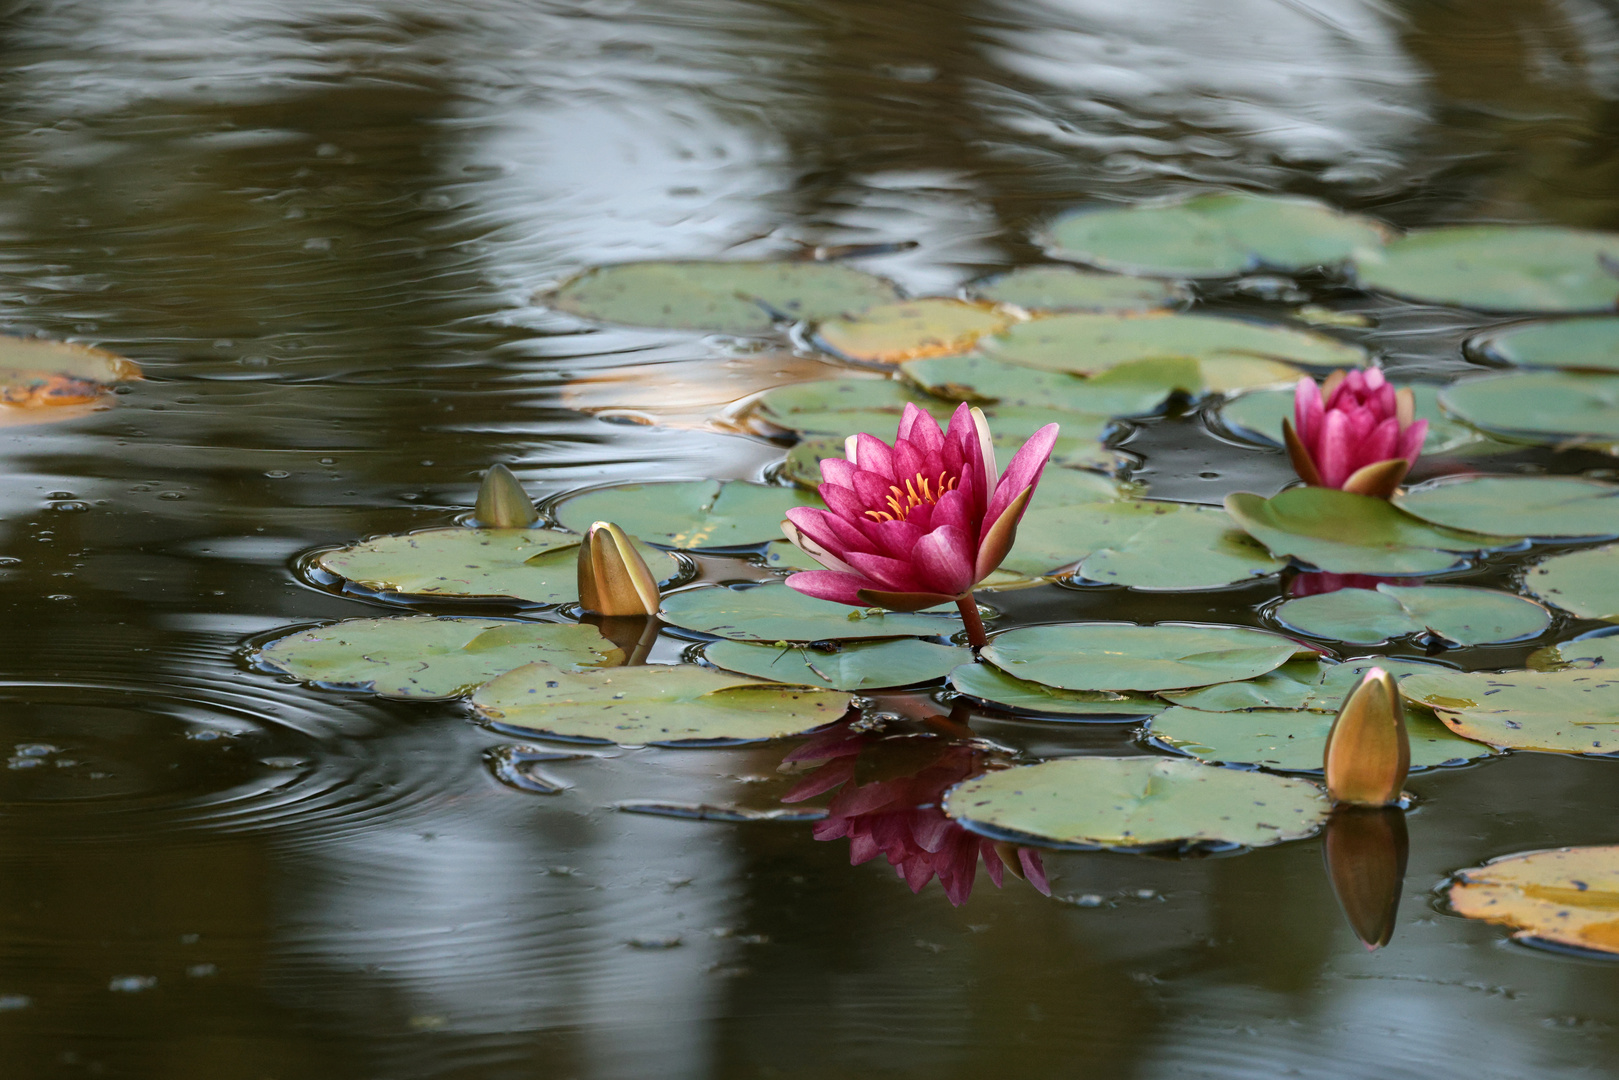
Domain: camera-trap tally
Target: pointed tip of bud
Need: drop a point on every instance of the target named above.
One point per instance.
(1368, 752)
(502, 502)
(613, 577)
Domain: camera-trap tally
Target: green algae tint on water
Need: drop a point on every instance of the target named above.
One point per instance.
(353, 249)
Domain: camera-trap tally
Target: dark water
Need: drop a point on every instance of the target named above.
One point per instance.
(317, 225)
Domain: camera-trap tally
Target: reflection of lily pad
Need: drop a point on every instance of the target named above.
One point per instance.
(908, 329)
(731, 297)
(1089, 344)
(867, 665)
(1300, 684)
(1258, 415)
(773, 612)
(1294, 740)
(1566, 896)
(1571, 344)
(1460, 614)
(1497, 268)
(1583, 583)
(653, 704)
(992, 686)
(533, 565)
(1344, 533)
(1539, 406)
(1124, 656)
(1065, 288)
(687, 513)
(1213, 236)
(1138, 802)
(1130, 389)
(1574, 711)
(1551, 507)
(423, 656)
(1141, 544)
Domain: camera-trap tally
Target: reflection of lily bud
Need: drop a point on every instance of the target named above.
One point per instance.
(1365, 852)
(633, 634)
(1315, 582)
(1368, 752)
(900, 816)
(613, 578)
(502, 502)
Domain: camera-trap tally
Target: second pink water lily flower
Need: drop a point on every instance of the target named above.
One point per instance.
(1356, 433)
(920, 522)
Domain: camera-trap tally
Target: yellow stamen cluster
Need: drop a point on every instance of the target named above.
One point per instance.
(918, 490)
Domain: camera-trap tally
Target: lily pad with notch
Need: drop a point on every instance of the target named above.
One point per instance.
(1565, 896)
(1316, 685)
(866, 665)
(1295, 740)
(1543, 407)
(1575, 711)
(773, 612)
(1582, 583)
(991, 686)
(1584, 344)
(1497, 268)
(1545, 507)
(687, 513)
(1123, 656)
(1458, 614)
(908, 329)
(1068, 288)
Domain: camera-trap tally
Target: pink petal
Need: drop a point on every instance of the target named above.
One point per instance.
(1411, 440)
(809, 546)
(910, 462)
(1023, 471)
(944, 561)
(822, 780)
(843, 502)
(953, 510)
(992, 861)
(907, 420)
(1380, 444)
(986, 451)
(924, 431)
(893, 575)
(1307, 410)
(874, 455)
(1334, 458)
(835, 470)
(832, 585)
(873, 490)
(833, 533)
(1034, 869)
(897, 538)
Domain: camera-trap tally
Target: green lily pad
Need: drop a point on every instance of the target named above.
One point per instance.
(1460, 614)
(1573, 712)
(1344, 533)
(1140, 544)
(533, 565)
(426, 656)
(1258, 414)
(1582, 583)
(1549, 507)
(1295, 740)
(846, 395)
(992, 686)
(729, 297)
(1214, 236)
(773, 612)
(687, 513)
(653, 704)
(1539, 406)
(1064, 288)
(869, 665)
(1600, 648)
(1130, 389)
(1590, 344)
(890, 333)
(1497, 268)
(1138, 802)
(1124, 656)
(1316, 685)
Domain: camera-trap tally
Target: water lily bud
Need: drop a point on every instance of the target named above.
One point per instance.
(1365, 852)
(613, 578)
(1355, 432)
(1368, 751)
(502, 502)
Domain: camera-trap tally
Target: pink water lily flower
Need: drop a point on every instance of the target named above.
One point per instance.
(920, 522)
(1356, 433)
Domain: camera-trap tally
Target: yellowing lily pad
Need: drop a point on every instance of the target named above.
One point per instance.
(908, 329)
(1555, 407)
(1294, 740)
(1497, 268)
(729, 297)
(40, 380)
(1257, 416)
(423, 656)
(868, 665)
(1124, 656)
(1065, 288)
(653, 704)
(1583, 583)
(1566, 896)
(1590, 344)
(687, 513)
(1460, 614)
(1135, 803)
(773, 612)
(1573, 712)
(1129, 389)
(1548, 507)
(532, 565)
(1213, 236)
(992, 686)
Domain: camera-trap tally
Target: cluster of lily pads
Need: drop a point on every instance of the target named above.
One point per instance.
(1232, 720)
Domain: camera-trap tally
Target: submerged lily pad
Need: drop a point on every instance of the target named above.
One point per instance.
(1131, 389)
(1065, 288)
(533, 565)
(773, 612)
(1460, 614)
(1582, 583)
(1299, 684)
(425, 656)
(1214, 236)
(890, 333)
(653, 703)
(1497, 268)
(1344, 533)
(1125, 656)
(1590, 344)
(1567, 896)
(730, 297)
(1549, 507)
(992, 686)
(1138, 802)
(867, 665)
(1294, 740)
(1573, 712)
(687, 513)
(1257, 415)
(1539, 406)
(1140, 544)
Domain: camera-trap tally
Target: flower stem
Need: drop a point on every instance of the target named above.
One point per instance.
(975, 626)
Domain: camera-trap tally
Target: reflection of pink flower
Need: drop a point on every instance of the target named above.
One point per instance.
(1356, 432)
(1314, 584)
(901, 817)
(918, 523)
